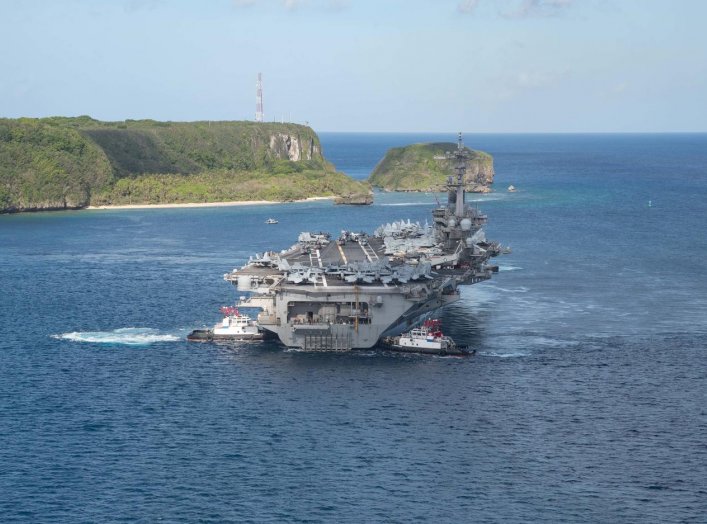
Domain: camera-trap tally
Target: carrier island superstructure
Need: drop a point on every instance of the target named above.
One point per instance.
(347, 292)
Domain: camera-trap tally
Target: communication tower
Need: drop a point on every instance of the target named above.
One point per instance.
(259, 115)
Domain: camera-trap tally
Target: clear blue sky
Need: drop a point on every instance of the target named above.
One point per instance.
(363, 65)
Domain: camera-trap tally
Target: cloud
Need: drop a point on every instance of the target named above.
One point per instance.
(515, 84)
(617, 90)
(519, 8)
(534, 79)
(293, 5)
(337, 5)
(538, 8)
(467, 6)
(620, 87)
(132, 6)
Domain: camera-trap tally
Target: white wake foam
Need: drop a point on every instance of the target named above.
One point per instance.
(508, 268)
(406, 204)
(515, 354)
(486, 197)
(132, 336)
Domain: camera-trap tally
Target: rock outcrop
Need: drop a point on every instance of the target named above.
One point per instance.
(293, 148)
(425, 167)
(361, 199)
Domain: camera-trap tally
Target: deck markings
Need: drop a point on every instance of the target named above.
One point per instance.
(363, 248)
(368, 251)
(341, 252)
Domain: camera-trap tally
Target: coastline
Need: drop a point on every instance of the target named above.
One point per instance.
(205, 204)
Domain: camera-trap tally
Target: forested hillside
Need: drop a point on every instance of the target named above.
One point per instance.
(62, 163)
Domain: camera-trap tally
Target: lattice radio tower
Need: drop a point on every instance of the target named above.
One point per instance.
(259, 115)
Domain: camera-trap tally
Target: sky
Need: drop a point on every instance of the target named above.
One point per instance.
(486, 66)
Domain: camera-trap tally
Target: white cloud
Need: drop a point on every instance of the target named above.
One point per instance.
(534, 79)
(615, 91)
(535, 8)
(292, 5)
(620, 87)
(515, 84)
(132, 6)
(467, 6)
(519, 8)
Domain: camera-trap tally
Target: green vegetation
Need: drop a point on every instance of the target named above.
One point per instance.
(420, 167)
(60, 162)
(46, 166)
(225, 186)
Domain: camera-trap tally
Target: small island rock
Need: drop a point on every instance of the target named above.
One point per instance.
(425, 167)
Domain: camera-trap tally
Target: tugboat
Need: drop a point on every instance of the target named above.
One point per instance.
(234, 326)
(427, 339)
(271, 221)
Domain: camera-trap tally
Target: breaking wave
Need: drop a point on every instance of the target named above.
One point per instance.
(132, 336)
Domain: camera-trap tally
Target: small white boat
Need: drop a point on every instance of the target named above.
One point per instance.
(428, 338)
(511, 189)
(271, 221)
(234, 326)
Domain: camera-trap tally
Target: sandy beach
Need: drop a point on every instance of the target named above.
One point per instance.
(206, 204)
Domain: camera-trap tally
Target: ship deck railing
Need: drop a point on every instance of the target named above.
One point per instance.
(328, 320)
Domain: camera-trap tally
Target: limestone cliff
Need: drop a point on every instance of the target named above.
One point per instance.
(288, 146)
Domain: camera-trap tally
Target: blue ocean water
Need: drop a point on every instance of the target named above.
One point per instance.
(586, 401)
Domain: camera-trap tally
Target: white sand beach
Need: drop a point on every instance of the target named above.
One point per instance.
(205, 204)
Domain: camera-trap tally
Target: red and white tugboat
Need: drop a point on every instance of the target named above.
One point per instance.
(427, 339)
(234, 326)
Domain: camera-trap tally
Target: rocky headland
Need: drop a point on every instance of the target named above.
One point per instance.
(72, 163)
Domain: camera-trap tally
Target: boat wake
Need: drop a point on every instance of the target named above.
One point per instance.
(487, 197)
(132, 336)
(508, 268)
(514, 354)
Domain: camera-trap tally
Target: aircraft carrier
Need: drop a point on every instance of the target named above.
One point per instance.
(327, 293)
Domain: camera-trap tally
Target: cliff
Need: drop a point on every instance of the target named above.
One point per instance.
(424, 167)
(64, 163)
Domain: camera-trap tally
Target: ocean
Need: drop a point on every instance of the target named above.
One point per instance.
(585, 402)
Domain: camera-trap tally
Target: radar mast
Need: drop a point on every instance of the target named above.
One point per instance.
(456, 187)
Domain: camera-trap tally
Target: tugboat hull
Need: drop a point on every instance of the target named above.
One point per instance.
(208, 335)
(392, 344)
(201, 335)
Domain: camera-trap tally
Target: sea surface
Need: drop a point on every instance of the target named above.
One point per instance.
(586, 400)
